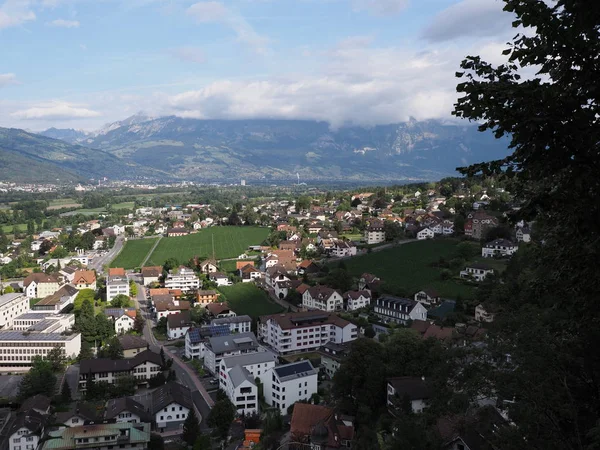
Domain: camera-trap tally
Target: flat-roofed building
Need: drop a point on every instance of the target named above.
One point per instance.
(44, 322)
(11, 306)
(100, 436)
(17, 348)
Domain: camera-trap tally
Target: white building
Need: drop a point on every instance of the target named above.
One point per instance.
(178, 324)
(342, 249)
(425, 233)
(116, 285)
(323, 298)
(483, 315)
(414, 388)
(171, 404)
(17, 348)
(374, 233)
(40, 285)
(290, 383)
(477, 272)
(58, 301)
(523, 234)
(237, 375)
(182, 278)
(399, 310)
(499, 247)
(142, 366)
(304, 331)
(218, 347)
(45, 322)
(126, 409)
(26, 430)
(354, 300)
(237, 324)
(220, 279)
(11, 306)
(123, 318)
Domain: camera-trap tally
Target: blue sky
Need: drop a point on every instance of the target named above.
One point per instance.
(84, 63)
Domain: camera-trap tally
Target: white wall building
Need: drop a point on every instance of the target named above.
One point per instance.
(11, 306)
(182, 278)
(374, 233)
(425, 233)
(116, 285)
(304, 331)
(237, 324)
(354, 300)
(323, 298)
(44, 322)
(399, 310)
(123, 319)
(290, 383)
(499, 247)
(17, 348)
(478, 272)
(178, 324)
(171, 404)
(218, 347)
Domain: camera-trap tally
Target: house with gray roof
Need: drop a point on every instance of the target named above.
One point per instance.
(170, 405)
(218, 347)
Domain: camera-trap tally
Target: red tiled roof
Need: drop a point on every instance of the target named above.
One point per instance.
(116, 271)
(84, 276)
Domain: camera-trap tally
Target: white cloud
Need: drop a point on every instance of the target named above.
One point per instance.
(216, 12)
(15, 12)
(63, 23)
(55, 111)
(380, 7)
(472, 18)
(7, 78)
(189, 54)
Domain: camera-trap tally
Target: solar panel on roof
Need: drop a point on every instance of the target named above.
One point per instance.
(219, 330)
(293, 369)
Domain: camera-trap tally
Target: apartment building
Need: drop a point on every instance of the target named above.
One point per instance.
(170, 405)
(12, 305)
(236, 324)
(58, 301)
(117, 283)
(178, 324)
(219, 347)
(323, 298)
(289, 384)
(304, 331)
(40, 285)
(142, 366)
(17, 348)
(354, 300)
(399, 310)
(44, 322)
(374, 232)
(151, 274)
(100, 436)
(499, 248)
(182, 278)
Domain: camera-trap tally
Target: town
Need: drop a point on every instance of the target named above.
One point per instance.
(236, 323)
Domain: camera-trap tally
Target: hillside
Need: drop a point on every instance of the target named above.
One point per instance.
(279, 149)
(27, 157)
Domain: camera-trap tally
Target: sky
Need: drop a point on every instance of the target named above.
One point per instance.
(85, 63)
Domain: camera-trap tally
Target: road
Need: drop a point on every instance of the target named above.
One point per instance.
(185, 374)
(151, 250)
(100, 261)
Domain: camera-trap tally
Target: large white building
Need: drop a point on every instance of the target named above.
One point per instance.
(17, 348)
(123, 318)
(399, 310)
(323, 298)
(142, 366)
(116, 285)
(218, 347)
(499, 247)
(40, 285)
(11, 306)
(182, 278)
(44, 322)
(178, 324)
(304, 331)
(290, 383)
(354, 300)
(236, 324)
(374, 232)
(237, 375)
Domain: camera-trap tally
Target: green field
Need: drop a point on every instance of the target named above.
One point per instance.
(133, 253)
(407, 268)
(229, 243)
(8, 229)
(246, 298)
(61, 201)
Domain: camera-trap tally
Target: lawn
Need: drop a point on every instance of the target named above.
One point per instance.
(407, 268)
(102, 209)
(246, 298)
(9, 228)
(229, 243)
(133, 253)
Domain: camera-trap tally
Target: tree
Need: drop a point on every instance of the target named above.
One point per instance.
(170, 264)
(551, 120)
(191, 428)
(39, 380)
(156, 442)
(85, 352)
(221, 416)
(65, 393)
(202, 442)
(121, 301)
(104, 327)
(8, 290)
(133, 291)
(57, 358)
(161, 325)
(87, 240)
(139, 323)
(113, 349)
(83, 295)
(124, 386)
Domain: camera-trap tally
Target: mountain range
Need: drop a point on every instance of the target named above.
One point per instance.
(229, 150)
